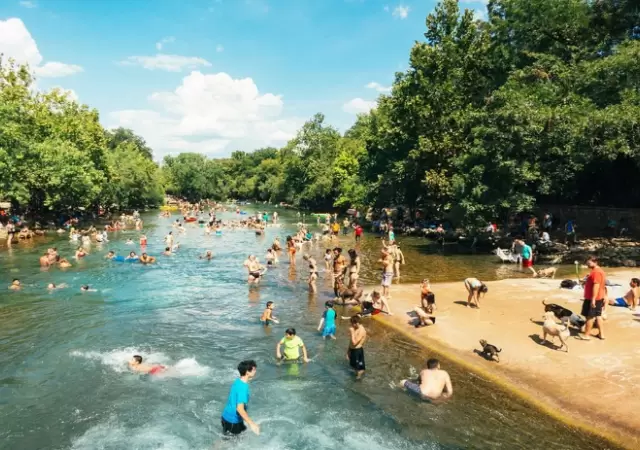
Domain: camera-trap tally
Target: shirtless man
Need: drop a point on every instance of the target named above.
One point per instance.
(339, 263)
(348, 296)
(136, 365)
(355, 352)
(433, 384)
(208, 255)
(44, 260)
(387, 271)
(254, 268)
(15, 285)
(630, 299)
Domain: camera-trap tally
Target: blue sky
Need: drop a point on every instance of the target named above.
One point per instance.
(214, 76)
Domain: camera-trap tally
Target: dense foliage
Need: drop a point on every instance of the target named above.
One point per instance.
(55, 157)
(539, 103)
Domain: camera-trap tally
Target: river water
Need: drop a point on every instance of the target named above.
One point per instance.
(64, 382)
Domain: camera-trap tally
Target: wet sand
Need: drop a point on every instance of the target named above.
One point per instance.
(592, 386)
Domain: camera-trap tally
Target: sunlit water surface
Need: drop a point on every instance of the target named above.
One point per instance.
(64, 382)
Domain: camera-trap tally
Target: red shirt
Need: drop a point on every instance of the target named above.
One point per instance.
(595, 277)
(358, 230)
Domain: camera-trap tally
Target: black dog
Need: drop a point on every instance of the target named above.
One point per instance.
(490, 351)
(563, 314)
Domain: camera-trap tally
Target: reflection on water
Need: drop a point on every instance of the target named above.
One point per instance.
(64, 382)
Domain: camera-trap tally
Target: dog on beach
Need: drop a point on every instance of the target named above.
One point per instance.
(549, 272)
(552, 328)
(490, 351)
(563, 314)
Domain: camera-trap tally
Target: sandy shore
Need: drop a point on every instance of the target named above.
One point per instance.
(592, 386)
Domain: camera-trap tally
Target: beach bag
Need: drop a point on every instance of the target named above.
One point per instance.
(568, 284)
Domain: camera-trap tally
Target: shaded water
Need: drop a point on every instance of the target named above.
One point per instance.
(64, 383)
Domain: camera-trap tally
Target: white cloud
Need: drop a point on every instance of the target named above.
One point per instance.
(219, 48)
(378, 87)
(57, 69)
(479, 14)
(28, 4)
(170, 63)
(401, 12)
(210, 113)
(164, 40)
(358, 105)
(16, 42)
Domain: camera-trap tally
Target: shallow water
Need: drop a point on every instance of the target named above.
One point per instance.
(64, 382)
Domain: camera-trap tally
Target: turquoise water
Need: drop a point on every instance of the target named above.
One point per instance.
(64, 382)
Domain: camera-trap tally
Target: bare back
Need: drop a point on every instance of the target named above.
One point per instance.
(435, 383)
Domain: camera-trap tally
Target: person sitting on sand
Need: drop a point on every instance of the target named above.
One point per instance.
(433, 383)
(136, 365)
(15, 285)
(267, 315)
(372, 305)
(348, 296)
(427, 306)
(630, 299)
(475, 287)
(292, 345)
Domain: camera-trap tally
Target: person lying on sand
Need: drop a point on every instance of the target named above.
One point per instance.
(136, 365)
(630, 299)
(433, 383)
(373, 304)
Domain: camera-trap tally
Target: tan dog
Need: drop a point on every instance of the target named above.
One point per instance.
(549, 272)
(552, 328)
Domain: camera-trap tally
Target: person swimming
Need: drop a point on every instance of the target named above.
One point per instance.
(129, 242)
(15, 285)
(146, 259)
(267, 315)
(110, 255)
(208, 255)
(137, 366)
(132, 257)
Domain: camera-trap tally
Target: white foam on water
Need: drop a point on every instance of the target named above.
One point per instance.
(112, 435)
(118, 359)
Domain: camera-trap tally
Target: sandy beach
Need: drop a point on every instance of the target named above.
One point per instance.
(591, 386)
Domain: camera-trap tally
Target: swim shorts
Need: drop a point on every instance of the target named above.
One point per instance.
(329, 331)
(386, 278)
(356, 358)
(232, 428)
(527, 263)
(620, 301)
(255, 275)
(156, 370)
(589, 311)
(412, 387)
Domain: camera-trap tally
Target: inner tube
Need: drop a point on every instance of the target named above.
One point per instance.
(118, 259)
(190, 219)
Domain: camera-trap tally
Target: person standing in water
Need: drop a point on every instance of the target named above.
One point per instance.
(328, 321)
(355, 352)
(387, 272)
(267, 315)
(292, 345)
(433, 383)
(235, 413)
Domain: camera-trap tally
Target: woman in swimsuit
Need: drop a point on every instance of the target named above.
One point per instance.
(313, 272)
(291, 248)
(354, 268)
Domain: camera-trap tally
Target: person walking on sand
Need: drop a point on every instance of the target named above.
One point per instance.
(355, 352)
(593, 303)
(235, 414)
(433, 383)
(475, 287)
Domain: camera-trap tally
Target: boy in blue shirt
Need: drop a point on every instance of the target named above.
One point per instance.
(235, 412)
(328, 320)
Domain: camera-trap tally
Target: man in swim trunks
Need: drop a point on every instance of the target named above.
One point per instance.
(254, 268)
(339, 264)
(630, 299)
(136, 365)
(235, 414)
(355, 352)
(292, 345)
(433, 384)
